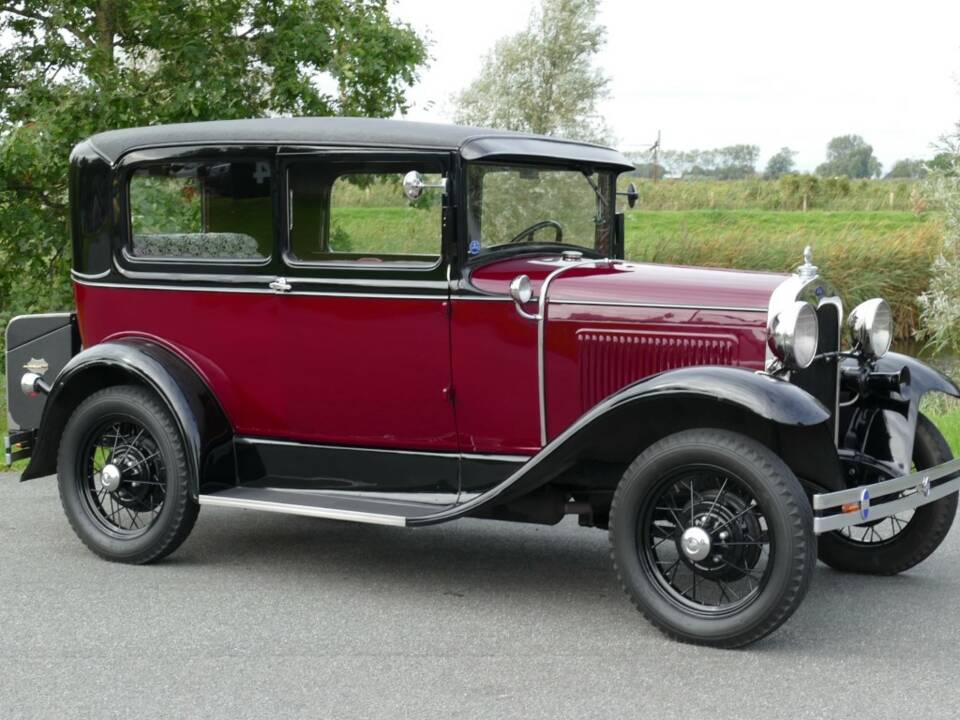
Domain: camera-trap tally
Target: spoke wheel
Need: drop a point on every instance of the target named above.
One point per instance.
(704, 540)
(893, 544)
(122, 477)
(712, 537)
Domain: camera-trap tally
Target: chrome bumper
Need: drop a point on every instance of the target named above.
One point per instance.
(855, 506)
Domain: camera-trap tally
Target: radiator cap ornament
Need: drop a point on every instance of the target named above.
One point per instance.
(807, 271)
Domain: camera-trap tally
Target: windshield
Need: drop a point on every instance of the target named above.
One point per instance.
(527, 203)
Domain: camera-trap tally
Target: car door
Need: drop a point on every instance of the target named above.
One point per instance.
(364, 310)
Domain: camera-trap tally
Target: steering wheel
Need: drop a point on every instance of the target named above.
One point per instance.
(532, 230)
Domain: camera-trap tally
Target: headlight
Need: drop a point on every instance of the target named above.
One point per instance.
(871, 327)
(793, 335)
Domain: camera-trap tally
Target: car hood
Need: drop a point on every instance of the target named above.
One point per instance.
(627, 283)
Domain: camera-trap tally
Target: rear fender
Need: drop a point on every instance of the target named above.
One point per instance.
(203, 425)
(780, 415)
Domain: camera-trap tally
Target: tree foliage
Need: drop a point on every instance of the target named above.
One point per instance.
(734, 162)
(850, 156)
(907, 169)
(542, 79)
(780, 164)
(70, 68)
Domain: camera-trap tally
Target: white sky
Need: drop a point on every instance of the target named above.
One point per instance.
(710, 74)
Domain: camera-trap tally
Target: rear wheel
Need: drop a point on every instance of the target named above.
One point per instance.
(123, 476)
(898, 542)
(712, 538)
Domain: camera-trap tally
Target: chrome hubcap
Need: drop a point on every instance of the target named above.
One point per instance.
(695, 543)
(110, 477)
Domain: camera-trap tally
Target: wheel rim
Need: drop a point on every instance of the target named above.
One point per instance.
(122, 478)
(704, 541)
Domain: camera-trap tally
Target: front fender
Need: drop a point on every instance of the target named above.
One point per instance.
(783, 416)
(203, 425)
(883, 426)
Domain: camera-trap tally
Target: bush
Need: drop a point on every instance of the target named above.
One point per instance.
(940, 304)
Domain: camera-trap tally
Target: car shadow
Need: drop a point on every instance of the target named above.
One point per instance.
(480, 562)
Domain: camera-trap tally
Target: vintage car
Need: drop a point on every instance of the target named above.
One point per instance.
(404, 324)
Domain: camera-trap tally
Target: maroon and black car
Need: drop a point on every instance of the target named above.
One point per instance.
(405, 324)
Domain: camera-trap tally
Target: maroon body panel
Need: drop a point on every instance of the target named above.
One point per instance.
(364, 371)
(376, 371)
(609, 323)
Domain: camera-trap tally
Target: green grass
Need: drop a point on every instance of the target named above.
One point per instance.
(863, 254)
(785, 194)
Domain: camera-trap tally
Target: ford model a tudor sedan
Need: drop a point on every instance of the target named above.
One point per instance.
(405, 324)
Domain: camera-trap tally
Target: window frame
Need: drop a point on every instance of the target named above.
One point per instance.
(153, 157)
(357, 163)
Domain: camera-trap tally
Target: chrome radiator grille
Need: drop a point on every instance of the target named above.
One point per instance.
(611, 360)
(820, 379)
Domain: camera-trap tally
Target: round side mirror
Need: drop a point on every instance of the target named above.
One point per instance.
(632, 195)
(521, 290)
(413, 185)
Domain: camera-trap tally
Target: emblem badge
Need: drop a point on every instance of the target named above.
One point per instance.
(37, 365)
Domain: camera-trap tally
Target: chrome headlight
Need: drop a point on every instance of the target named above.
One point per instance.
(871, 327)
(793, 335)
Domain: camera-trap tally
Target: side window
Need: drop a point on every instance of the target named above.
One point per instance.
(363, 217)
(202, 211)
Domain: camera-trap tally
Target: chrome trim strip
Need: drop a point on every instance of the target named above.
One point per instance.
(305, 510)
(667, 306)
(247, 440)
(262, 291)
(77, 275)
(541, 318)
(919, 481)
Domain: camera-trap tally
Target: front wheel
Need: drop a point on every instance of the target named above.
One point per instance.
(712, 538)
(123, 476)
(898, 542)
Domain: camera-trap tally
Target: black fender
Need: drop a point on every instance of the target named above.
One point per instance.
(204, 426)
(782, 416)
(884, 424)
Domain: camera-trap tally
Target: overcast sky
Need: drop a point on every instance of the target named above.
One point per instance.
(709, 74)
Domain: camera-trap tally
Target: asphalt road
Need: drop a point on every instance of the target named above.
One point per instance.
(263, 615)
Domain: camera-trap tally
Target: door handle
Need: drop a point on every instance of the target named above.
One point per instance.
(280, 285)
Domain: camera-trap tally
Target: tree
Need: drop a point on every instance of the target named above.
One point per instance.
(71, 68)
(907, 169)
(542, 79)
(734, 162)
(780, 164)
(850, 155)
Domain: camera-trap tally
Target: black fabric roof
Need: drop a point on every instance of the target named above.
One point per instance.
(473, 142)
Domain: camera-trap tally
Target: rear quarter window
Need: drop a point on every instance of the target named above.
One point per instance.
(217, 211)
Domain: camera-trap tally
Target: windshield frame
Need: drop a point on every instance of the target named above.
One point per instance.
(603, 178)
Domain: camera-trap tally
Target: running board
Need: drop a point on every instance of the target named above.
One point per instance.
(328, 505)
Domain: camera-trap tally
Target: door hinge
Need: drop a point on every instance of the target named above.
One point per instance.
(449, 394)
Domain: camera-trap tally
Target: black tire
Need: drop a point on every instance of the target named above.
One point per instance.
(777, 499)
(152, 511)
(912, 543)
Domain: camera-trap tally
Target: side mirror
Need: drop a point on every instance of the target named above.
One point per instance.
(521, 290)
(413, 185)
(631, 194)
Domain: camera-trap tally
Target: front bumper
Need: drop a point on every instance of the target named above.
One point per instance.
(867, 503)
